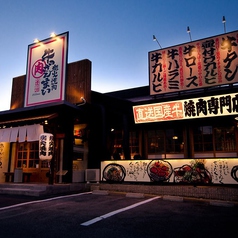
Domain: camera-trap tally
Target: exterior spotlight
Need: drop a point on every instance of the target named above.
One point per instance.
(189, 32)
(155, 39)
(223, 19)
(224, 22)
(52, 34)
(36, 41)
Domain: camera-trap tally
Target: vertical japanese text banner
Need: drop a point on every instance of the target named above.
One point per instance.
(46, 71)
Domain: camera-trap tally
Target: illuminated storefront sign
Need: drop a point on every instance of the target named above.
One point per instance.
(220, 105)
(198, 64)
(46, 71)
(203, 171)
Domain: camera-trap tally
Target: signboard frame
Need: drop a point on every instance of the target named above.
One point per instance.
(192, 108)
(194, 65)
(46, 71)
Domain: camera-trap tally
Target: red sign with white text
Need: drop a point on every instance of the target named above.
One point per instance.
(158, 112)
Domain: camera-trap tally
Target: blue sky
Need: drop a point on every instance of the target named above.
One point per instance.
(116, 35)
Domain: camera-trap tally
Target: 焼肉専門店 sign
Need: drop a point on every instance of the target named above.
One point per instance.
(198, 64)
(46, 71)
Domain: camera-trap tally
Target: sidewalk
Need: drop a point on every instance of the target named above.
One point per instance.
(219, 193)
(37, 190)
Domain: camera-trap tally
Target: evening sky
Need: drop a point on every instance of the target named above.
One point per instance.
(116, 35)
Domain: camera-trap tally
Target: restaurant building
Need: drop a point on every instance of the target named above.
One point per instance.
(53, 97)
(184, 127)
(180, 129)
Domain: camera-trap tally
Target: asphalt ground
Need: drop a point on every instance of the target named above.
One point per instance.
(102, 214)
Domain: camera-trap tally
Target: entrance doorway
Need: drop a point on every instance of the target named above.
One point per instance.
(27, 158)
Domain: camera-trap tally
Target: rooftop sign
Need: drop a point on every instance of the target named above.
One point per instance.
(198, 64)
(46, 71)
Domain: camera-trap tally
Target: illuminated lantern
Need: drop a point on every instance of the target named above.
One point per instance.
(46, 146)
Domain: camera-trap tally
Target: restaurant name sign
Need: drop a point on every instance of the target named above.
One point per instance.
(220, 105)
(198, 64)
(46, 71)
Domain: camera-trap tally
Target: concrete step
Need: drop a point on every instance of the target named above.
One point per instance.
(23, 186)
(37, 190)
(22, 191)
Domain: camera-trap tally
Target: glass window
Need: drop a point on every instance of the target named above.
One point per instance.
(203, 139)
(134, 145)
(165, 141)
(156, 141)
(218, 139)
(224, 138)
(28, 155)
(117, 144)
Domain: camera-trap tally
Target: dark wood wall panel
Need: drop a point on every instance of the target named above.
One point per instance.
(78, 84)
(18, 91)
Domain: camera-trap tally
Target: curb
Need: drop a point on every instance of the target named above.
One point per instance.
(100, 192)
(135, 195)
(173, 198)
(221, 203)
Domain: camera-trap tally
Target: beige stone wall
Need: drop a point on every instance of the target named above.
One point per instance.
(202, 192)
(4, 155)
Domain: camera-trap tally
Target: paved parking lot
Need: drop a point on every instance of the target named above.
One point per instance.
(115, 215)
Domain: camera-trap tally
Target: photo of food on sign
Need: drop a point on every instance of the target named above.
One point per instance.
(194, 173)
(114, 172)
(186, 171)
(159, 170)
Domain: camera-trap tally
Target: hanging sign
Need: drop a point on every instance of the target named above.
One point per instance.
(46, 146)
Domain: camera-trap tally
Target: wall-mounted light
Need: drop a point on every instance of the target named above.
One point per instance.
(83, 101)
(189, 32)
(46, 122)
(224, 22)
(155, 39)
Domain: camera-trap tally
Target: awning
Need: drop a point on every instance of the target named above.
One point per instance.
(27, 119)
(21, 133)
